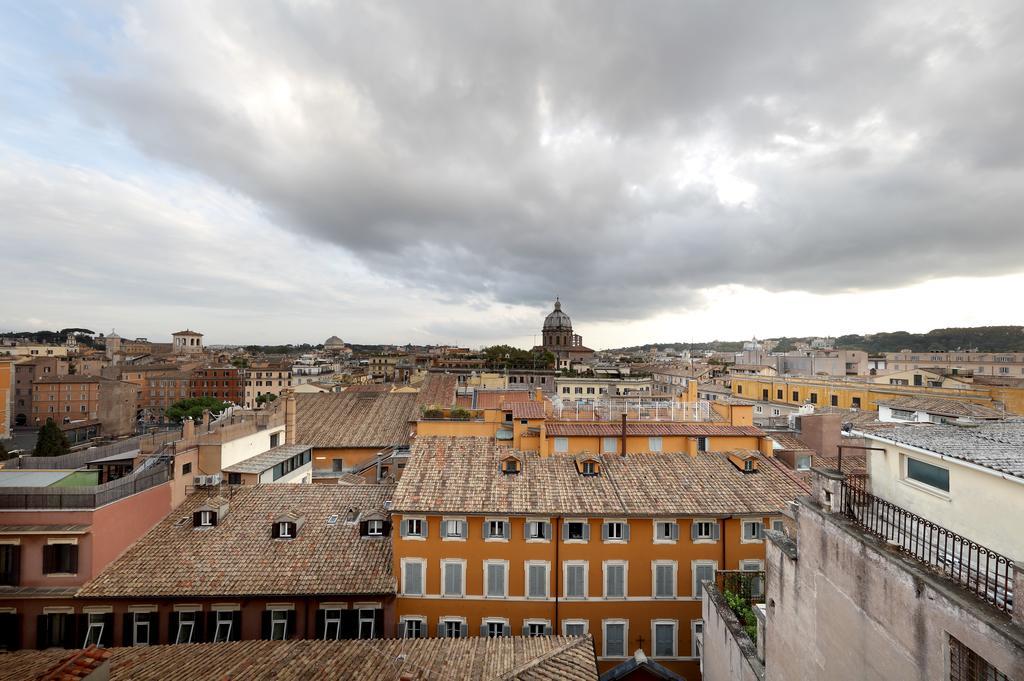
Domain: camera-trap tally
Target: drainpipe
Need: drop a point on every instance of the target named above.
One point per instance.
(623, 453)
(724, 563)
(557, 539)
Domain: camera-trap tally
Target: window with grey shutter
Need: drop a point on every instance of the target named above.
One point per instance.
(574, 581)
(414, 579)
(537, 582)
(615, 581)
(452, 579)
(664, 586)
(673, 529)
(506, 530)
(702, 572)
(615, 639)
(664, 640)
(495, 580)
(716, 531)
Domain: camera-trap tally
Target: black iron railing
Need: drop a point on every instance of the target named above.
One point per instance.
(748, 585)
(982, 571)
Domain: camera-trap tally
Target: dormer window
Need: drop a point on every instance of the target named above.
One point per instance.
(748, 466)
(375, 528)
(207, 519)
(588, 467)
(284, 530)
(510, 465)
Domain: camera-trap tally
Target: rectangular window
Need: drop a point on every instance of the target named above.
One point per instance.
(574, 628)
(665, 639)
(332, 624)
(10, 565)
(575, 580)
(494, 628)
(803, 462)
(60, 559)
(616, 531)
(615, 639)
(855, 403)
(778, 394)
(140, 628)
(702, 444)
(704, 530)
(703, 571)
(576, 531)
(367, 617)
(537, 530)
(453, 578)
(609, 445)
(536, 629)
(495, 529)
(666, 531)
(615, 580)
(414, 527)
(835, 400)
(454, 528)
(95, 624)
(452, 628)
(696, 637)
(654, 444)
(495, 584)
(561, 444)
(223, 625)
(412, 577)
(413, 628)
(664, 579)
(537, 580)
(796, 395)
(186, 627)
(278, 625)
(756, 586)
(927, 474)
(967, 665)
(753, 530)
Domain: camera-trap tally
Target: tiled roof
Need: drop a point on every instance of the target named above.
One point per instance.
(543, 658)
(943, 407)
(787, 440)
(526, 410)
(438, 390)
(268, 459)
(575, 428)
(76, 665)
(462, 475)
(999, 445)
(238, 556)
(354, 419)
(494, 399)
(186, 332)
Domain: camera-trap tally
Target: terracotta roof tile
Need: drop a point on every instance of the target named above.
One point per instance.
(354, 419)
(238, 556)
(943, 407)
(438, 390)
(494, 399)
(462, 475)
(575, 428)
(526, 410)
(523, 658)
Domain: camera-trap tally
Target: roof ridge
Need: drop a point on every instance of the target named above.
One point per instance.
(535, 662)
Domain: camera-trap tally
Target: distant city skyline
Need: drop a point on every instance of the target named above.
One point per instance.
(673, 173)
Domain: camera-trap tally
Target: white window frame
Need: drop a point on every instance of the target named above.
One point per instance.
(569, 521)
(696, 634)
(655, 444)
(330, 620)
(499, 621)
(279, 618)
(696, 592)
(565, 579)
(711, 526)
(584, 623)
(415, 537)
(445, 562)
(504, 574)
(778, 524)
(284, 530)
(625, 638)
(444, 620)
(219, 620)
(206, 519)
(187, 619)
(609, 445)
(801, 457)
(655, 564)
(419, 619)
(624, 564)
(622, 525)
(361, 619)
(658, 539)
(422, 562)
(463, 523)
(541, 522)
(505, 527)
(561, 445)
(543, 624)
(675, 638)
(98, 625)
(374, 527)
(547, 578)
(753, 565)
(138, 625)
(743, 530)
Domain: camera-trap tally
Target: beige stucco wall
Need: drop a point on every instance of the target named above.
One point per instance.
(722, 657)
(984, 507)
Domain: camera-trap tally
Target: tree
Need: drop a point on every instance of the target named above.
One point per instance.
(51, 441)
(265, 397)
(193, 408)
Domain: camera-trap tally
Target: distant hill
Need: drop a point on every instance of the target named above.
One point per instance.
(980, 338)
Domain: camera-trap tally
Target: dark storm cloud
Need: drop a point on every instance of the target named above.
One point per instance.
(595, 150)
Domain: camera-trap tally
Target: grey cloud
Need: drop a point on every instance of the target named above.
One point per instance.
(880, 137)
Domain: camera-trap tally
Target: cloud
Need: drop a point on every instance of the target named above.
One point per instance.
(627, 157)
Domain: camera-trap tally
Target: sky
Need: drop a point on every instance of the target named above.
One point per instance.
(438, 172)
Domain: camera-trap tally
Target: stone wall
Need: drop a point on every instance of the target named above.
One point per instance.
(846, 606)
(728, 654)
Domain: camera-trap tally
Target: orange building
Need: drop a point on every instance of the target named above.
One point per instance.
(493, 541)
(6, 391)
(67, 399)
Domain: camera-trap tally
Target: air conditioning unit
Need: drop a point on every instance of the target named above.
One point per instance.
(207, 480)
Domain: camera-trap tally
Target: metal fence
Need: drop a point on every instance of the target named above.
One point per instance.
(635, 409)
(982, 571)
(84, 456)
(82, 498)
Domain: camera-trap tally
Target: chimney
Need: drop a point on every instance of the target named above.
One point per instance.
(206, 419)
(538, 395)
(623, 452)
(289, 418)
(188, 429)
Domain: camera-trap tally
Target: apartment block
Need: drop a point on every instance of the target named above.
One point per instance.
(72, 398)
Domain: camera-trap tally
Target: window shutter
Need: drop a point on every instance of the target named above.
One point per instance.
(15, 565)
(673, 531)
(196, 521)
(526, 529)
(386, 528)
(108, 630)
(625, 531)
(127, 635)
(547, 630)
(506, 529)
(760, 530)
(465, 630)
(320, 623)
(464, 524)
(444, 528)
(425, 527)
(506, 630)
(414, 578)
(545, 528)
(48, 559)
(349, 624)
(604, 531)
(154, 627)
(291, 624)
(265, 625)
(586, 531)
(211, 624)
(483, 630)
(364, 526)
(79, 624)
(565, 531)
(42, 631)
(715, 531)
(403, 528)
(172, 628)
(236, 625)
(275, 531)
(378, 623)
(693, 530)
(526, 629)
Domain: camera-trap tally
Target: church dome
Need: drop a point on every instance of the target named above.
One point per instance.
(334, 342)
(557, 320)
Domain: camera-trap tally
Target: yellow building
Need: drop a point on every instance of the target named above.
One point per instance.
(6, 383)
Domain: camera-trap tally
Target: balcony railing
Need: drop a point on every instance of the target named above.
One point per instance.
(635, 409)
(978, 569)
(82, 498)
